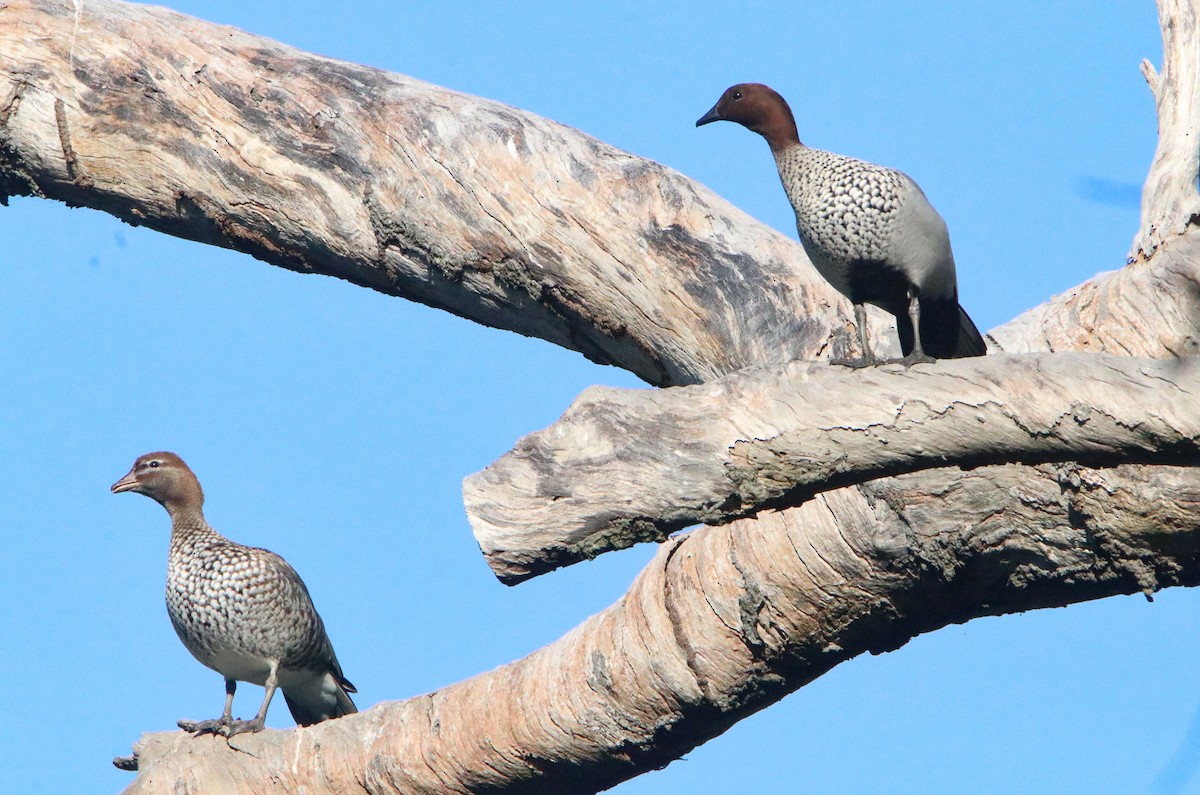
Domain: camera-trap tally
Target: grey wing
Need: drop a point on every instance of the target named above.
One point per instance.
(921, 245)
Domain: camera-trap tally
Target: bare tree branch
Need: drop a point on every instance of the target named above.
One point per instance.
(1170, 201)
(322, 166)
(1149, 308)
(530, 517)
(624, 466)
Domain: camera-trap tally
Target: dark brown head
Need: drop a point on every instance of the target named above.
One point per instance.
(759, 108)
(164, 478)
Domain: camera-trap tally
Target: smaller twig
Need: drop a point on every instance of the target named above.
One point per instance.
(126, 762)
(1152, 77)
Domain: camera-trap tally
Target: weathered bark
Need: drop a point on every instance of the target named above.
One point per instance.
(1148, 309)
(316, 165)
(1170, 201)
(208, 133)
(624, 466)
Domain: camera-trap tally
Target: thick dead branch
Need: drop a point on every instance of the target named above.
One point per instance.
(725, 622)
(320, 166)
(469, 205)
(1147, 309)
(1170, 201)
(624, 466)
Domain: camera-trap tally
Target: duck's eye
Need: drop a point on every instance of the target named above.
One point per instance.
(154, 464)
(737, 95)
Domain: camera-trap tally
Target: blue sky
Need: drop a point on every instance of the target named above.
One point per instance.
(334, 425)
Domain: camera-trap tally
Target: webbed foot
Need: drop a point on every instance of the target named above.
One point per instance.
(224, 726)
(915, 358)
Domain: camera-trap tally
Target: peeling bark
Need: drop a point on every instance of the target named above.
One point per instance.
(624, 466)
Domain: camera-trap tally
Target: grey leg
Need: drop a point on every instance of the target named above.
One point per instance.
(860, 320)
(914, 315)
(260, 720)
(216, 725)
(867, 360)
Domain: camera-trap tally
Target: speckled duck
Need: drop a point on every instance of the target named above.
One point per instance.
(242, 611)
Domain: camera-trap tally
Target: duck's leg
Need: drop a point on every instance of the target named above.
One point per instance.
(216, 725)
(260, 720)
(918, 354)
(868, 359)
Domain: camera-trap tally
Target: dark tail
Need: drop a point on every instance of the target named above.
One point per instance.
(946, 331)
(970, 341)
(320, 698)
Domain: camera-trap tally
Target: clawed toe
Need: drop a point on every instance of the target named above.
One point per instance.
(226, 727)
(915, 358)
(243, 726)
(199, 727)
(873, 361)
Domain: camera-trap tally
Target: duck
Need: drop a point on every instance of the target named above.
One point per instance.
(869, 230)
(241, 611)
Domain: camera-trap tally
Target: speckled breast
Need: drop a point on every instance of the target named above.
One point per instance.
(234, 611)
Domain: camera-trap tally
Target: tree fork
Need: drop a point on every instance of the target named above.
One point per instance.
(208, 133)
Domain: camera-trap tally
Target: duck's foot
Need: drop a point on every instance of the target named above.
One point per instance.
(915, 358)
(875, 361)
(199, 727)
(225, 726)
(244, 726)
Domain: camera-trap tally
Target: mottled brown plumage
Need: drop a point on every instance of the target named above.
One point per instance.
(242, 611)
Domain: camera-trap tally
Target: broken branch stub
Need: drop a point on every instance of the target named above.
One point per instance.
(623, 466)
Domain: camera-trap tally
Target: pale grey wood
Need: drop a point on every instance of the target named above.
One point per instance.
(1170, 201)
(1148, 308)
(507, 219)
(623, 466)
(462, 203)
(726, 621)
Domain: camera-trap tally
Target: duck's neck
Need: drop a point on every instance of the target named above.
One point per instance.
(780, 130)
(188, 524)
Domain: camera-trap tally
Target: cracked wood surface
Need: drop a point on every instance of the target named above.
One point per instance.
(1148, 309)
(623, 466)
(328, 167)
(321, 166)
